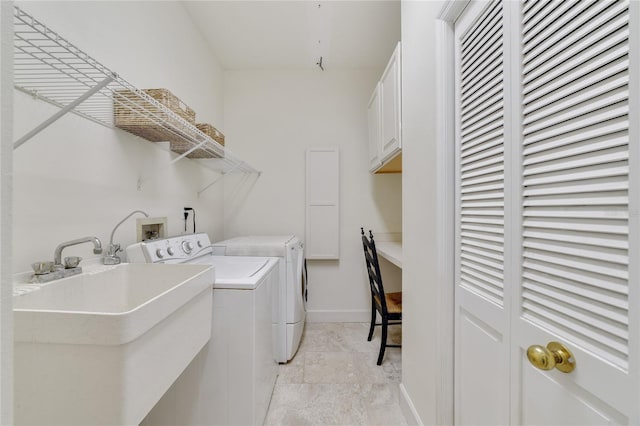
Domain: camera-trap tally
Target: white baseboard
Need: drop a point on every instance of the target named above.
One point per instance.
(408, 409)
(338, 316)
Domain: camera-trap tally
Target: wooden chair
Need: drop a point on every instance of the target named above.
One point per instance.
(389, 305)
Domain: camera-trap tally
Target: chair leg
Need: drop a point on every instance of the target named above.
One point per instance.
(373, 322)
(383, 339)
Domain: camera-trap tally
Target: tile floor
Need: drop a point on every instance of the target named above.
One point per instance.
(334, 379)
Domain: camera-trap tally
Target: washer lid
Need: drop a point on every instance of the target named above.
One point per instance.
(237, 267)
(239, 272)
(256, 245)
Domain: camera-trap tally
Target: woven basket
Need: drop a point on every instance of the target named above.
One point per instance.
(181, 147)
(212, 132)
(135, 115)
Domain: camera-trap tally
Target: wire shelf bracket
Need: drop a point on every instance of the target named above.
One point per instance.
(62, 112)
(143, 179)
(219, 178)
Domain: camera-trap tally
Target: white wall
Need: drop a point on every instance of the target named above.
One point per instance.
(420, 369)
(271, 118)
(77, 178)
(6, 288)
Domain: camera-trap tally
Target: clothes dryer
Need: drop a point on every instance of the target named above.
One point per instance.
(292, 292)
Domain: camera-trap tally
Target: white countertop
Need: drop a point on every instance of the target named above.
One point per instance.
(392, 251)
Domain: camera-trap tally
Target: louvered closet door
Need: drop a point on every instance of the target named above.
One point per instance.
(577, 284)
(482, 352)
(547, 238)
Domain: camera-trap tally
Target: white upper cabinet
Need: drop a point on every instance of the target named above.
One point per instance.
(390, 106)
(384, 115)
(375, 140)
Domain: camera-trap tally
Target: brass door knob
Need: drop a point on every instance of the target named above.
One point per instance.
(554, 355)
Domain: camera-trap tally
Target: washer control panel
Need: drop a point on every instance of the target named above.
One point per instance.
(180, 249)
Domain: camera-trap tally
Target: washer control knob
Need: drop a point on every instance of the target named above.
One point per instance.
(187, 246)
(160, 253)
(171, 251)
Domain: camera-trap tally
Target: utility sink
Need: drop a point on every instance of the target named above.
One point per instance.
(102, 347)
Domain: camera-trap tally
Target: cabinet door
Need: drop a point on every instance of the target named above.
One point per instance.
(390, 106)
(373, 117)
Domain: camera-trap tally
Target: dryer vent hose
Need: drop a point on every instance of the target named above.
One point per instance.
(305, 279)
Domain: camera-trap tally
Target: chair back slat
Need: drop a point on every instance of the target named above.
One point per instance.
(373, 270)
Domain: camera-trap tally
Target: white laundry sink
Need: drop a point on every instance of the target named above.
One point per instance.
(102, 347)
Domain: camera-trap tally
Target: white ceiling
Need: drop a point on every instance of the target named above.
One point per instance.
(295, 33)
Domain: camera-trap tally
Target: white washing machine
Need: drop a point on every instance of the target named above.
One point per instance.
(230, 382)
(291, 294)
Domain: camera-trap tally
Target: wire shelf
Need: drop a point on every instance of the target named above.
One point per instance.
(50, 68)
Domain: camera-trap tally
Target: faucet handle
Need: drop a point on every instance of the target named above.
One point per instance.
(113, 249)
(111, 258)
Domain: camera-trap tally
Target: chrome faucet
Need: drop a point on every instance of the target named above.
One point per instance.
(111, 258)
(57, 254)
